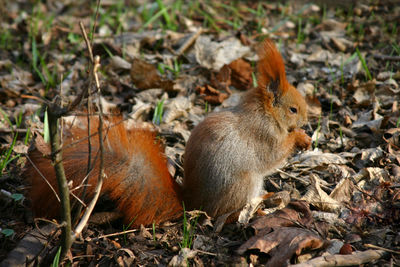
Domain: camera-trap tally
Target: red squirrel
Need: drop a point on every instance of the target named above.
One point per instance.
(226, 159)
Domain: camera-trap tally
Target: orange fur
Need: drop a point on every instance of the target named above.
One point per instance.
(271, 66)
(144, 192)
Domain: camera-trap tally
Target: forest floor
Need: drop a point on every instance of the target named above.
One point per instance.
(165, 65)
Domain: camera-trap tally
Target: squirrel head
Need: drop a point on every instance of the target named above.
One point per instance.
(280, 99)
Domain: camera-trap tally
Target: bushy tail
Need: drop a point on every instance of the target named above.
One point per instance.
(137, 179)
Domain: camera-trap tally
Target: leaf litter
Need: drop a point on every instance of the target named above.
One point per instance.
(337, 204)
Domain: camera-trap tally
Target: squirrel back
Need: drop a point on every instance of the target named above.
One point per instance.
(137, 177)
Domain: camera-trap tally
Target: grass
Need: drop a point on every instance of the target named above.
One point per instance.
(159, 14)
(188, 230)
(5, 39)
(6, 155)
(154, 233)
(39, 65)
(46, 128)
(126, 227)
(158, 112)
(254, 78)
(331, 71)
(260, 15)
(56, 260)
(394, 30)
(300, 33)
(175, 68)
(364, 65)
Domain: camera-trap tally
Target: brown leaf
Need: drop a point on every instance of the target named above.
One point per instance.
(211, 95)
(42, 146)
(313, 106)
(241, 74)
(223, 79)
(145, 76)
(283, 243)
(297, 212)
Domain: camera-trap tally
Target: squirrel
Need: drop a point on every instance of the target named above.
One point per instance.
(226, 157)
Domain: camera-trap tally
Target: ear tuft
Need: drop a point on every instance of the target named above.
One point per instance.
(271, 69)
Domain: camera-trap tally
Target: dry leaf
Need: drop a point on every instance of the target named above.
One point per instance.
(214, 55)
(145, 76)
(223, 79)
(296, 213)
(241, 74)
(211, 95)
(283, 243)
(343, 190)
(319, 198)
(317, 158)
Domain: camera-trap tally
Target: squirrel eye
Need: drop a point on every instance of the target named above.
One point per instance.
(293, 110)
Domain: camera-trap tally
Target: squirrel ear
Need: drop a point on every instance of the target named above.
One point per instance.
(274, 87)
(271, 69)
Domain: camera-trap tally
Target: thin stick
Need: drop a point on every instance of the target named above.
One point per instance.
(189, 42)
(356, 258)
(88, 46)
(381, 248)
(95, 23)
(90, 207)
(44, 178)
(119, 233)
(387, 57)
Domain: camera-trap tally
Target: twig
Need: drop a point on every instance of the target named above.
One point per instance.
(386, 57)
(89, 160)
(206, 252)
(294, 177)
(95, 23)
(381, 248)
(356, 258)
(119, 233)
(12, 130)
(44, 178)
(41, 100)
(88, 46)
(189, 42)
(90, 207)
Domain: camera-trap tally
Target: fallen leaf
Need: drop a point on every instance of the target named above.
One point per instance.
(211, 95)
(145, 76)
(319, 198)
(241, 76)
(214, 55)
(282, 244)
(296, 213)
(223, 79)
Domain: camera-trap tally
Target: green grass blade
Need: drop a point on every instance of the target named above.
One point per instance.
(364, 64)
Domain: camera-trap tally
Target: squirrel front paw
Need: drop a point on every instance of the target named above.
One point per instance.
(302, 140)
